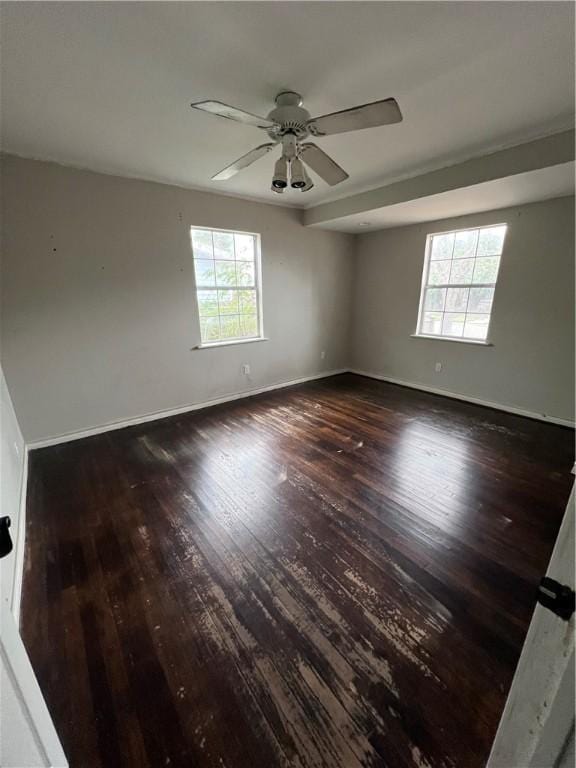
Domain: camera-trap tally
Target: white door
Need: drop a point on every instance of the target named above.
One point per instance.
(537, 725)
(27, 736)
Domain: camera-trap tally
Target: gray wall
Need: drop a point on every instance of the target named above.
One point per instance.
(531, 363)
(98, 316)
(98, 319)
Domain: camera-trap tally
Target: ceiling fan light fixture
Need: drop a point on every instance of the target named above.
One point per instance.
(280, 177)
(309, 183)
(297, 174)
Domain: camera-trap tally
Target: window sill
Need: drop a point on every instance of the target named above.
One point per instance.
(216, 344)
(450, 338)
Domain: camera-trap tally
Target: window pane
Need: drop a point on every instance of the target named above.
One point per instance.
(457, 299)
(248, 325)
(202, 244)
(204, 271)
(476, 326)
(480, 299)
(491, 241)
(247, 301)
(223, 245)
(439, 272)
(228, 301)
(230, 327)
(207, 303)
(486, 270)
(435, 298)
(465, 244)
(442, 247)
(431, 323)
(461, 271)
(244, 247)
(245, 273)
(453, 324)
(225, 273)
(209, 328)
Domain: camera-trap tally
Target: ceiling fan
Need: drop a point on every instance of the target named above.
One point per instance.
(289, 124)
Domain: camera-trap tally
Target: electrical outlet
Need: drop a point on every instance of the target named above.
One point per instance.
(438, 367)
(323, 355)
(246, 369)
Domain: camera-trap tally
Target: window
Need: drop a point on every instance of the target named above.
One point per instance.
(460, 273)
(227, 270)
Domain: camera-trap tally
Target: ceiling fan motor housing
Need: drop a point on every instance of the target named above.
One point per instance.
(289, 116)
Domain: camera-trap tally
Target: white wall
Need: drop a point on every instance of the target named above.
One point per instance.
(531, 363)
(98, 314)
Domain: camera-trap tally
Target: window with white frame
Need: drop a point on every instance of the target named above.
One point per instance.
(460, 273)
(227, 271)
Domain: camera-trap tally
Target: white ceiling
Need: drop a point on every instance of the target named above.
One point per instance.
(107, 86)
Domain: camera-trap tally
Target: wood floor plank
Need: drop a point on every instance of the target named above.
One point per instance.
(339, 574)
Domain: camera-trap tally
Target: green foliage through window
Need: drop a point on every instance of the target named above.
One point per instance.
(226, 272)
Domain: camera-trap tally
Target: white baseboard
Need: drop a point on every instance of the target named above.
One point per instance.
(19, 544)
(467, 399)
(69, 436)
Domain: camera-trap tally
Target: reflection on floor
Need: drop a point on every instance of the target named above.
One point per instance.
(338, 574)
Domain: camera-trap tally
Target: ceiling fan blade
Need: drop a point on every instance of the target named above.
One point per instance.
(322, 164)
(365, 116)
(232, 113)
(243, 162)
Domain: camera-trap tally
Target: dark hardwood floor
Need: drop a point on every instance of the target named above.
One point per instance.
(339, 574)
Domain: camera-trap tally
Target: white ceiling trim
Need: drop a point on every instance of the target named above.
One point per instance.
(522, 189)
(550, 151)
(155, 180)
(561, 127)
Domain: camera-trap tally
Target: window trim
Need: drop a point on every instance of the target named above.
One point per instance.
(230, 342)
(457, 339)
(258, 273)
(424, 285)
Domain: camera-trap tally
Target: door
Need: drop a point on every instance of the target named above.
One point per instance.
(27, 736)
(537, 725)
